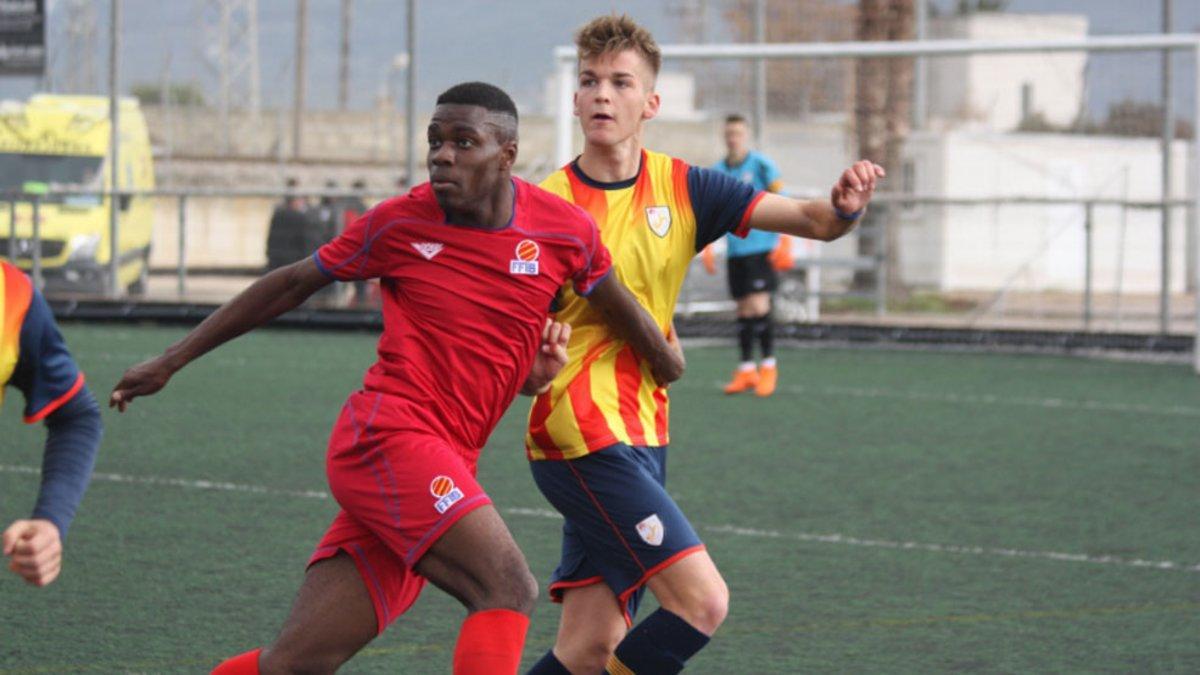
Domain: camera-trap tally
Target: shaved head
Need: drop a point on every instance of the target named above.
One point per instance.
(502, 112)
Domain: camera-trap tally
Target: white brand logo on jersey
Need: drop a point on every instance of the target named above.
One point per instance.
(651, 530)
(659, 219)
(428, 249)
(527, 258)
(447, 494)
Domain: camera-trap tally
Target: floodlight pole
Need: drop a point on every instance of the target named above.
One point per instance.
(760, 76)
(114, 154)
(301, 78)
(921, 69)
(410, 97)
(1168, 137)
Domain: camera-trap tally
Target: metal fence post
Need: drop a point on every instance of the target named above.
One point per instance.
(879, 231)
(38, 282)
(1196, 199)
(1087, 265)
(1164, 284)
(114, 150)
(12, 230)
(182, 262)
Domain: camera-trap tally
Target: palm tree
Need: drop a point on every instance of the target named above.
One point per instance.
(883, 100)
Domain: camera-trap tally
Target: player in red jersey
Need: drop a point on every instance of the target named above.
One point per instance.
(469, 265)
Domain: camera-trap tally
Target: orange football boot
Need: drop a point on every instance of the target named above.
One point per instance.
(742, 380)
(767, 376)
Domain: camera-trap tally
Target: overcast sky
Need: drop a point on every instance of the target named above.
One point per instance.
(509, 43)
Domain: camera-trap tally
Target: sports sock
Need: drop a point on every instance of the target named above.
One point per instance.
(548, 665)
(662, 643)
(242, 664)
(766, 335)
(490, 643)
(746, 338)
(768, 362)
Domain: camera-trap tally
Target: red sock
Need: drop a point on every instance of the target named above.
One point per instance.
(242, 664)
(490, 643)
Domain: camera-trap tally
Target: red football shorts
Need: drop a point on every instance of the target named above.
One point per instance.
(399, 489)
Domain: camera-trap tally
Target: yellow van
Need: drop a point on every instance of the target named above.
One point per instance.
(60, 143)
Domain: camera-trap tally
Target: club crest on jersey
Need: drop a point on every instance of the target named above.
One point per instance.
(447, 494)
(659, 219)
(527, 258)
(651, 530)
(428, 249)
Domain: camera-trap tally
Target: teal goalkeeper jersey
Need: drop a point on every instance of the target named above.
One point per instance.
(759, 171)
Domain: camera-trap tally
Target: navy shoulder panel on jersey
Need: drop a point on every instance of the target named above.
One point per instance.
(45, 372)
(719, 202)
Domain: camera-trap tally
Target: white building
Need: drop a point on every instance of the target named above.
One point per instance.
(1038, 247)
(995, 92)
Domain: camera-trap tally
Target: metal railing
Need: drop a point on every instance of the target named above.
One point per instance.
(891, 211)
(565, 65)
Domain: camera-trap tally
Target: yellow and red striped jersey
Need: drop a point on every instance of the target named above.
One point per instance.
(15, 294)
(33, 355)
(653, 225)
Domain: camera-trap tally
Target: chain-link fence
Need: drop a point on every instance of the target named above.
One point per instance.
(1006, 206)
(1024, 189)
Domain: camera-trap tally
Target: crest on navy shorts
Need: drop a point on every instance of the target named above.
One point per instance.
(447, 494)
(651, 530)
(659, 219)
(526, 261)
(428, 249)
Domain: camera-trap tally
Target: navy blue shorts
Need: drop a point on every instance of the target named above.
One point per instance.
(621, 525)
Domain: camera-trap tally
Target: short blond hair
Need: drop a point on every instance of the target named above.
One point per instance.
(611, 34)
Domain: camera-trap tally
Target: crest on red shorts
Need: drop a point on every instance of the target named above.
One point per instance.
(651, 530)
(446, 493)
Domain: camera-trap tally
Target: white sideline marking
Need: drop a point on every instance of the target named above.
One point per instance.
(180, 482)
(986, 399)
(734, 530)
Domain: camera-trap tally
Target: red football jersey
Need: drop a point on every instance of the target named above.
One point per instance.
(463, 307)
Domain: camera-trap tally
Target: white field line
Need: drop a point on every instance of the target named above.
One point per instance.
(986, 399)
(733, 530)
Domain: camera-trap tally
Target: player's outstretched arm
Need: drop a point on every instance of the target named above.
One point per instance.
(34, 546)
(633, 324)
(273, 294)
(819, 219)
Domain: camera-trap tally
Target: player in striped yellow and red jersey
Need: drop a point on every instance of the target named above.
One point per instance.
(34, 359)
(605, 395)
(598, 438)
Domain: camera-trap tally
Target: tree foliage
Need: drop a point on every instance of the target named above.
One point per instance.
(177, 93)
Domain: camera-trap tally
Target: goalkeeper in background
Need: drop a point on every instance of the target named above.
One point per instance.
(752, 264)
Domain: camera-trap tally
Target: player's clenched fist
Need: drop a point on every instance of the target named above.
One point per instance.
(141, 380)
(34, 549)
(551, 357)
(853, 190)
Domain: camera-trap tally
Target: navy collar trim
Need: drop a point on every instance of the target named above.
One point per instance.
(616, 185)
